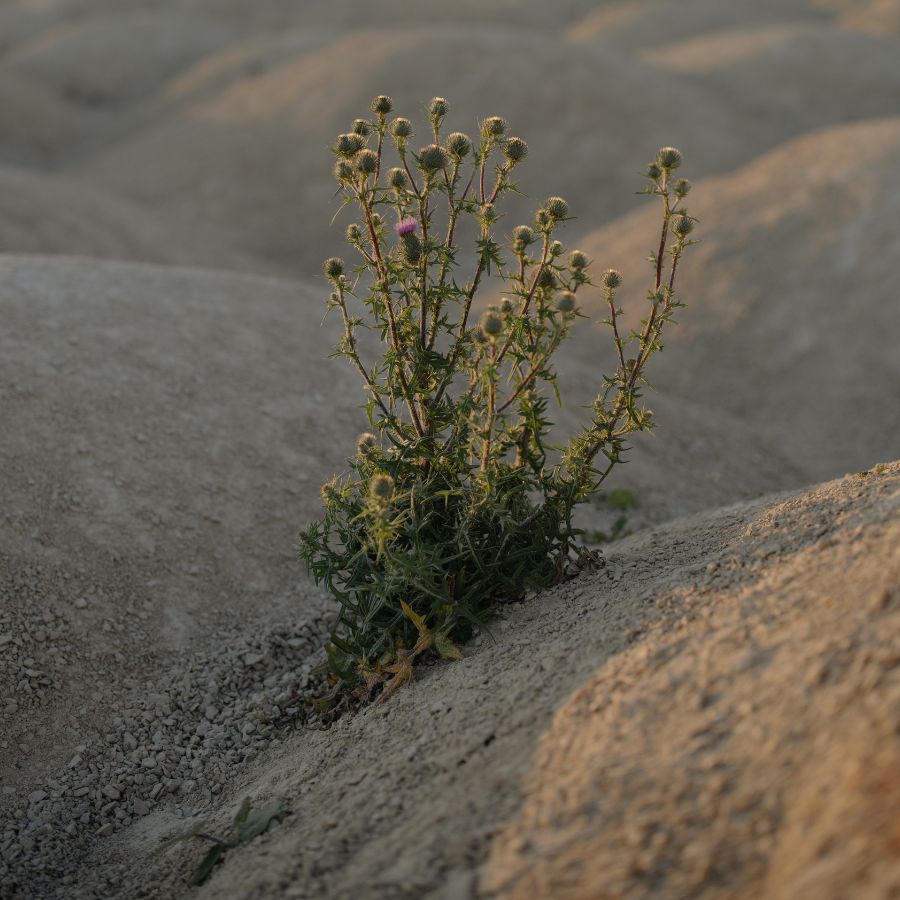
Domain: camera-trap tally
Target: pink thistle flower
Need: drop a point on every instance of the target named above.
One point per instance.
(406, 226)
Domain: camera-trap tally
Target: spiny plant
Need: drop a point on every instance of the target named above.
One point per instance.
(455, 498)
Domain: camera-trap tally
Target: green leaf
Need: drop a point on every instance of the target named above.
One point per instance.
(257, 821)
(204, 870)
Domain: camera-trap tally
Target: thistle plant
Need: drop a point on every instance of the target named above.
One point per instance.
(455, 498)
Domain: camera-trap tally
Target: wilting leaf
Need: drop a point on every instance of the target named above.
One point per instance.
(415, 618)
(446, 647)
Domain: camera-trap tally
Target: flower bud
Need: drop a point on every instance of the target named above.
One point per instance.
(556, 248)
(566, 302)
(367, 161)
(433, 158)
(523, 234)
(577, 260)
(491, 324)
(547, 279)
(494, 126)
(361, 127)
(382, 105)
(515, 149)
(410, 248)
(349, 144)
(557, 207)
(353, 232)
(669, 158)
(612, 278)
(401, 128)
(397, 179)
(438, 108)
(653, 171)
(333, 267)
(543, 218)
(459, 144)
(365, 442)
(506, 306)
(343, 171)
(381, 487)
(330, 493)
(683, 226)
(682, 187)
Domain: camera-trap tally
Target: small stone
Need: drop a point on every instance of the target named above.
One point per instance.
(112, 792)
(105, 830)
(80, 603)
(37, 796)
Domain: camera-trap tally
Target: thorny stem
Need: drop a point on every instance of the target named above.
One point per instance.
(389, 306)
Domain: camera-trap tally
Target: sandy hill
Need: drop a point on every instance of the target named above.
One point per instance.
(712, 713)
(49, 213)
(791, 298)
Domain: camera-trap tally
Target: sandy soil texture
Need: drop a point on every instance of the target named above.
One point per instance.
(712, 713)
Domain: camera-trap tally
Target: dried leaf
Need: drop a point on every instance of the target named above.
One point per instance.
(446, 648)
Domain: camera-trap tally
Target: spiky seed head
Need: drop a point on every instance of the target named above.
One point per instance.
(577, 260)
(682, 187)
(376, 220)
(556, 248)
(543, 218)
(683, 226)
(547, 279)
(353, 233)
(349, 144)
(330, 493)
(367, 161)
(401, 128)
(382, 105)
(515, 149)
(506, 306)
(438, 108)
(343, 171)
(433, 158)
(491, 324)
(653, 171)
(523, 233)
(397, 179)
(669, 158)
(494, 126)
(566, 302)
(557, 207)
(459, 144)
(361, 127)
(365, 442)
(381, 487)
(333, 267)
(612, 278)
